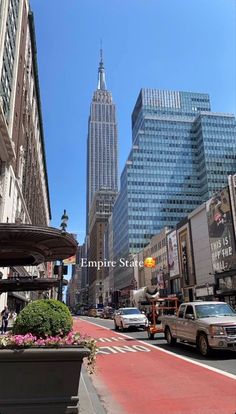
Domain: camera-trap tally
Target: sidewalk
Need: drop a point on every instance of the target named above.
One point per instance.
(88, 399)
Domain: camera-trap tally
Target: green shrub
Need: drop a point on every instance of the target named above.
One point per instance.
(42, 318)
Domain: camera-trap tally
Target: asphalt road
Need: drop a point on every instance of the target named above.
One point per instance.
(222, 360)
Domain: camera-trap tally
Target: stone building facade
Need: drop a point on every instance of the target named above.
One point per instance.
(24, 192)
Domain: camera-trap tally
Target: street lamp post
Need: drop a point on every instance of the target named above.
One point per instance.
(64, 220)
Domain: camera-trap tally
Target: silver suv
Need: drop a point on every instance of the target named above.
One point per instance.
(129, 317)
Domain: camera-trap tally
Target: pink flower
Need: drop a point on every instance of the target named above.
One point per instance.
(72, 339)
(29, 340)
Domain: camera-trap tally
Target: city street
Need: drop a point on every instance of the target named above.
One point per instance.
(135, 375)
(117, 190)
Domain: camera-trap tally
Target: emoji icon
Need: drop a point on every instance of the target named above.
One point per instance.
(149, 262)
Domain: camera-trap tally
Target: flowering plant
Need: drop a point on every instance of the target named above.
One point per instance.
(47, 323)
(11, 341)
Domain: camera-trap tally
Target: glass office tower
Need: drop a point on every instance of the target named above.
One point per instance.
(181, 154)
(102, 153)
(215, 136)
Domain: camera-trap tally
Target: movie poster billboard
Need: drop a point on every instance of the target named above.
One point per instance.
(221, 231)
(172, 249)
(185, 256)
(49, 269)
(160, 280)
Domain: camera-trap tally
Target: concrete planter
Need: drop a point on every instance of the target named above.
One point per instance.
(40, 380)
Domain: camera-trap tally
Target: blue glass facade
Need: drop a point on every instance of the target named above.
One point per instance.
(181, 154)
(215, 135)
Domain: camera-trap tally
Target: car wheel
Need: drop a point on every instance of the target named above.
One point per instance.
(203, 346)
(150, 334)
(122, 327)
(169, 337)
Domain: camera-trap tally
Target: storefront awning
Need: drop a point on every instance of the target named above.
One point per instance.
(29, 284)
(26, 245)
(19, 296)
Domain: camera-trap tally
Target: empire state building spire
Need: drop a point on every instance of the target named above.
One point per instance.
(101, 74)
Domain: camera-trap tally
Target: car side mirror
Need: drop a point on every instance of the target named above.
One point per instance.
(189, 316)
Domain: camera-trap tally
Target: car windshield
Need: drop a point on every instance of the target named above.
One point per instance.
(214, 310)
(131, 311)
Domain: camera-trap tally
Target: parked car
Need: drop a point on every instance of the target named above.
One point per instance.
(129, 318)
(209, 325)
(79, 312)
(99, 312)
(92, 312)
(108, 312)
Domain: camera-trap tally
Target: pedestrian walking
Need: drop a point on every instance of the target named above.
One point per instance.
(12, 318)
(5, 317)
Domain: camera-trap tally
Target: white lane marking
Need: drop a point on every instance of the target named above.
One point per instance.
(111, 339)
(108, 350)
(218, 371)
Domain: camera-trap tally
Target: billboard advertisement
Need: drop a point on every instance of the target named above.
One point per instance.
(221, 231)
(185, 255)
(183, 240)
(172, 249)
(160, 280)
(70, 260)
(49, 269)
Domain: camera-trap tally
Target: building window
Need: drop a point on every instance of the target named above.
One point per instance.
(10, 186)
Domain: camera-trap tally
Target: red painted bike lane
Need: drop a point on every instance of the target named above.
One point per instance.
(143, 380)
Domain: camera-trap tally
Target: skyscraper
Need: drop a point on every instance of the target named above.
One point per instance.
(100, 212)
(102, 153)
(102, 178)
(181, 154)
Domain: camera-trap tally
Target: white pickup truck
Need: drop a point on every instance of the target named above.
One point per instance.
(209, 325)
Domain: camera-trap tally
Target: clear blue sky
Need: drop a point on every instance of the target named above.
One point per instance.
(187, 45)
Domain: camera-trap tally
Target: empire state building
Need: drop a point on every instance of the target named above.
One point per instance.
(102, 152)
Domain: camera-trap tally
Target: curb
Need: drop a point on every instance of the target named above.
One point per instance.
(89, 401)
